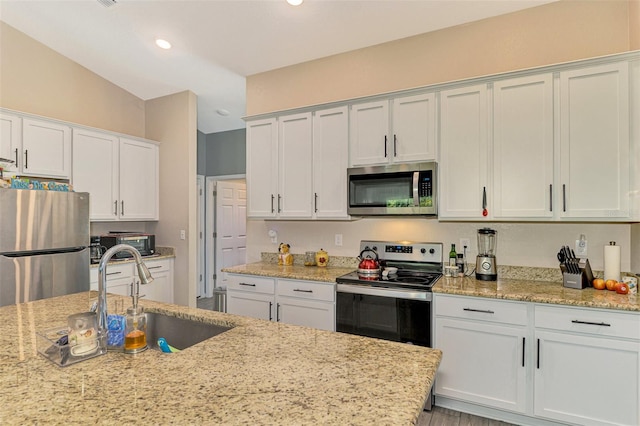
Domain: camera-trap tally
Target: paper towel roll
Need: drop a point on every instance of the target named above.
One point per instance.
(612, 262)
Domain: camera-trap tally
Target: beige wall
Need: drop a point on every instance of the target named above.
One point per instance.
(548, 34)
(36, 79)
(172, 120)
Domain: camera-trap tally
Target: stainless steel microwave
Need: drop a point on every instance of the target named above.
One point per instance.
(400, 189)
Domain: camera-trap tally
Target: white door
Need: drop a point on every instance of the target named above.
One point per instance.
(262, 167)
(10, 137)
(200, 215)
(139, 168)
(227, 220)
(46, 149)
(368, 141)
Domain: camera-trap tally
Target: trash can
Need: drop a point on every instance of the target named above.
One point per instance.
(220, 299)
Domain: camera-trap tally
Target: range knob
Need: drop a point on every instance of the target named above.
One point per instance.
(423, 250)
(431, 251)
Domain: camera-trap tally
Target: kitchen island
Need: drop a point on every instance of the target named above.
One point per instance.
(259, 372)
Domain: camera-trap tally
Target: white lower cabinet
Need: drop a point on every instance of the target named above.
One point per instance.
(484, 351)
(528, 363)
(120, 276)
(304, 303)
(587, 366)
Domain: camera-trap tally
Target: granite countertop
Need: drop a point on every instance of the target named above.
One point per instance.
(296, 272)
(259, 372)
(538, 292)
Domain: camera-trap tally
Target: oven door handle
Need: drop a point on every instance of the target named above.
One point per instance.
(415, 187)
(385, 292)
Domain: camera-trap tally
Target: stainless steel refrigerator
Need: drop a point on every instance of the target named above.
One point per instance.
(44, 244)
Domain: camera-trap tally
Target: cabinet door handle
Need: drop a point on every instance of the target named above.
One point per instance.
(122, 207)
(270, 306)
(538, 355)
(550, 197)
(247, 284)
(16, 151)
(385, 146)
(26, 158)
(487, 311)
(279, 198)
(115, 208)
(113, 273)
(564, 198)
(272, 197)
(523, 339)
(277, 312)
(601, 324)
(154, 267)
(315, 202)
(302, 290)
(395, 142)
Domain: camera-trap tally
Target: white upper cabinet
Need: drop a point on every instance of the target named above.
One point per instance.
(39, 148)
(139, 178)
(10, 139)
(594, 142)
(95, 170)
(262, 167)
(369, 138)
(279, 172)
(120, 174)
(414, 130)
(330, 162)
(523, 147)
(404, 134)
(464, 153)
(294, 168)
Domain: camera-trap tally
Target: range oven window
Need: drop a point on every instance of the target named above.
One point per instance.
(388, 318)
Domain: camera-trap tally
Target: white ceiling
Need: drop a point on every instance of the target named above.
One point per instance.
(217, 43)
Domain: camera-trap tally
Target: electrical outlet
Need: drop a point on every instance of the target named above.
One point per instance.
(464, 242)
(338, 239)
(183, 234)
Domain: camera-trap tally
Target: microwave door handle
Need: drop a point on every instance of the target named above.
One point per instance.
(416, 195)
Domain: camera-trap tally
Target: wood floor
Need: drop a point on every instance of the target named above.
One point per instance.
(438, 416)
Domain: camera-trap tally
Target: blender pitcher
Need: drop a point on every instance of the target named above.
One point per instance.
(486, 266)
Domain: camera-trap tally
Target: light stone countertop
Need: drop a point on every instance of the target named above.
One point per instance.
(161, 253)
(295, 272)
(538, 292)
(259, 372)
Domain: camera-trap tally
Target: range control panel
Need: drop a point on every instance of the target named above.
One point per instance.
(405, 251)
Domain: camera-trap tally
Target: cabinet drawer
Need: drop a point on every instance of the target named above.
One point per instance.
(251, 283)
(158, 265)
(480, 309)
(114, 271)
(589, 321)
(307, 290)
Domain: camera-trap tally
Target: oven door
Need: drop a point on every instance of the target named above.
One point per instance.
(383, 313)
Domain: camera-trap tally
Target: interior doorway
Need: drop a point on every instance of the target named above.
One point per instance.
(225, 228)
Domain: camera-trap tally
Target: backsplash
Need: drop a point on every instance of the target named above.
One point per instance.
(504, 271)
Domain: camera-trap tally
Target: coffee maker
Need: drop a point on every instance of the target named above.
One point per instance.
(486, 266)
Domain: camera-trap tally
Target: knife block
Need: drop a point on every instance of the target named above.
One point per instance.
(579, 281)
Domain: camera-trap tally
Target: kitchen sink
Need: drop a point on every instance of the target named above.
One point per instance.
(180, 333)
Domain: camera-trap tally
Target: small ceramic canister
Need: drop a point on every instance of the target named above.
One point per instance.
(322, 258)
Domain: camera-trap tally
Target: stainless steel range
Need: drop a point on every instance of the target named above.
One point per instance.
(387, 303)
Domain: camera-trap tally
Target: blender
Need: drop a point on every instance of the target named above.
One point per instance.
(486, 267)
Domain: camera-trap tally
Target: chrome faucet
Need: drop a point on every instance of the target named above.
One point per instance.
(143, 273)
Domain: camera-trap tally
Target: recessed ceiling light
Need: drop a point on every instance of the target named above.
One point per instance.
(163, 44)
(223, 112)
(295, 2)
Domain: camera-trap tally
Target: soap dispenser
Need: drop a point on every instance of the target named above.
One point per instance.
(135, 333)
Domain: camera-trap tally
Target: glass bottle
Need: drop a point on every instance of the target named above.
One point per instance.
(452, 255)
(135, 333)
